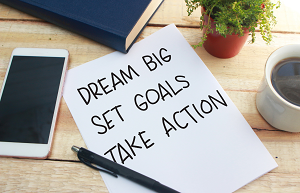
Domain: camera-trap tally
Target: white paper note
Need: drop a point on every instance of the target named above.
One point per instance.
(159, 111)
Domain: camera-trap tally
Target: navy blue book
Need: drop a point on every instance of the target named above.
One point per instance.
(115, 23)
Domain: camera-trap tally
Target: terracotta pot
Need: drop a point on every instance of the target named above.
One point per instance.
(221, 47)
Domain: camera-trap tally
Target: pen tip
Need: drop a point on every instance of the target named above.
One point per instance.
(75, 148)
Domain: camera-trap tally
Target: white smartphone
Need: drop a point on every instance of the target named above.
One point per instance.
(29, 101)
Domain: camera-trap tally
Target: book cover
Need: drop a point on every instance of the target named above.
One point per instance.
(115, 23)
(159, 111)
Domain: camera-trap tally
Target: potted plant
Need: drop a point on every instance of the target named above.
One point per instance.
(227, 24)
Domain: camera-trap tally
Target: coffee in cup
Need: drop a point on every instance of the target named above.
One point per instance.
(286, 79)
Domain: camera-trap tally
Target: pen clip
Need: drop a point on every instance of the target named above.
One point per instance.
(97, 168)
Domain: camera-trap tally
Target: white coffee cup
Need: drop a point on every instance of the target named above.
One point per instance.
(277, 111)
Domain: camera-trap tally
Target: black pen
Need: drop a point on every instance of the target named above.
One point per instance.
(95, 161)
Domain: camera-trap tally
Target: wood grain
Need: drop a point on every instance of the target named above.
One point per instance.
(22, 175)
(239, 76)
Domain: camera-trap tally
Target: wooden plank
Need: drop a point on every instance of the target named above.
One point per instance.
(174, 11)
(273, 182)
(65, 136)
(23, 175)
(286, 153)
(9, 13)
(44, 35)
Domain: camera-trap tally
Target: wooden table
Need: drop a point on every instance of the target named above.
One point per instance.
(239, 76)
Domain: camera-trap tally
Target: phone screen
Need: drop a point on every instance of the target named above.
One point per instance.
(28, 99)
